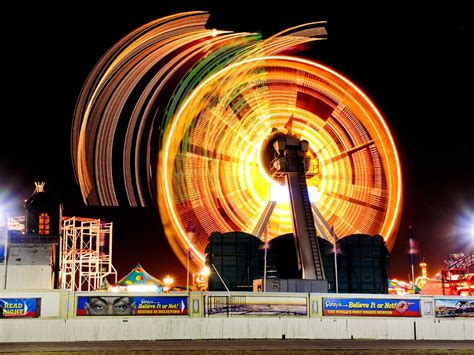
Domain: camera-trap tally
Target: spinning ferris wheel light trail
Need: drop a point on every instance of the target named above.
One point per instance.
(177, 115)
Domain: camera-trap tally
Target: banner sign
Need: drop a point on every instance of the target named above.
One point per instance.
(256, 305)
(20, 307)
(371, 307)
(135, 306)
(455, 307)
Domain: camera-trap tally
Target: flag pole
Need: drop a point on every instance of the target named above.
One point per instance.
(335, 258)
(187, 272)
(5, 252)
(265, 263)
(412, 257)
(190, 232)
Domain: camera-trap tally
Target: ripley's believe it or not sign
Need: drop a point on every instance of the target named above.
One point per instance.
(371, 307)
(133, 306)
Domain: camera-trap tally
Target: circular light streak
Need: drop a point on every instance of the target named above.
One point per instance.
(210, 174)
(175, 114)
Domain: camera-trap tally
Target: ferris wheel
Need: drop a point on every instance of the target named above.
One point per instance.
(213, 175)
(186, 114)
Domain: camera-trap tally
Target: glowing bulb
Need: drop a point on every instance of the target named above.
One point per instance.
(168, 280)
(142, 288)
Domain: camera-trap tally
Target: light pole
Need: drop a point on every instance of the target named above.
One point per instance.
(412, 251)
(265, 262)
(4, 231)
(190, 240)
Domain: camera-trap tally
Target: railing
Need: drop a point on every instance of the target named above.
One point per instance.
(32, 239)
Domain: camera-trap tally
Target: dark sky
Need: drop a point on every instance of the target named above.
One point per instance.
(412, 62)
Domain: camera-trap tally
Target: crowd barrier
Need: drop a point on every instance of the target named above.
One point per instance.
(56, 315)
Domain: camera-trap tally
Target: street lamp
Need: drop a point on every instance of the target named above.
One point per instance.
(4, 236)
(200, 278)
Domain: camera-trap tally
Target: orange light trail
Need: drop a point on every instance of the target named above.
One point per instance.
(175, 115)
(229, 191)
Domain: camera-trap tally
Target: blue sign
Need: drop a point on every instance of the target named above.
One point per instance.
(134, 306)
(371, 307)
(20, 307)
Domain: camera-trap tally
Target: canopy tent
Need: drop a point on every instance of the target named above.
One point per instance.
(139, 280)
(401, 287)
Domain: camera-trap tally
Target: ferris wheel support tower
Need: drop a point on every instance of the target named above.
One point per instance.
(292, 164)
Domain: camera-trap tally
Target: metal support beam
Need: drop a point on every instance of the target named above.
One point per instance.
(321, 224)
(263, 220)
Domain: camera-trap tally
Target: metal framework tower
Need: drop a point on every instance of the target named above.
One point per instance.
(86, 254)
(292, 164)
(454, 277)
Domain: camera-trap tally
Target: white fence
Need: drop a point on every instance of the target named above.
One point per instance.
(237, 316)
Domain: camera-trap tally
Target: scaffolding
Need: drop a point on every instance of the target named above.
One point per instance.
(458, 277)
(86, 254)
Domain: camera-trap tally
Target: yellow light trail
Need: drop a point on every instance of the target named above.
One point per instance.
(175, 114)
(357, 196)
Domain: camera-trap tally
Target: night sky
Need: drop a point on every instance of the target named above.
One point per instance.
(412, 62)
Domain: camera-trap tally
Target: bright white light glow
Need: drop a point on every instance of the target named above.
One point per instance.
(205, 271)
(142, 288)
(168, 280)
(280, 193)
(465, 226)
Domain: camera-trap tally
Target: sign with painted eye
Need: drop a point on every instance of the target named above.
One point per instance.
(132, 306)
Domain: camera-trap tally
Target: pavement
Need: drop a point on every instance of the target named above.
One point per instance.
(269, 347)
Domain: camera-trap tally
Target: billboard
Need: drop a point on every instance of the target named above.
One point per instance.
(454, 307)
(20, 307)
(371, 307)
(256, 305)
(132, 305)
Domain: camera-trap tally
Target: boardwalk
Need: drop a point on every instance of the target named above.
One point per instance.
(270, 347)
